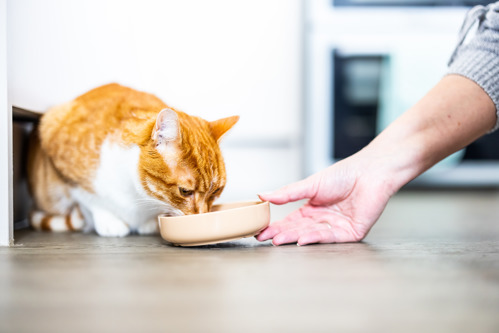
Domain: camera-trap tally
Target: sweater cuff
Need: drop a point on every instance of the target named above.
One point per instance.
(482, 67)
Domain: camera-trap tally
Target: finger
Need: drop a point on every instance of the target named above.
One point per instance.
(282, 226)
(293, 235)
(317, 236)
(338, 232)
(278, 226)
(305, 188)
(287, 237)
(266, 234)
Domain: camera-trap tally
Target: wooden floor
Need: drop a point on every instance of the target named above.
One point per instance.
(431, 264)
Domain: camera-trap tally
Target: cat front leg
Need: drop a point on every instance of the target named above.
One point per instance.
(107, 224)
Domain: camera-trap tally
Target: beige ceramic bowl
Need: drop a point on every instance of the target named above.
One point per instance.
(224, 223)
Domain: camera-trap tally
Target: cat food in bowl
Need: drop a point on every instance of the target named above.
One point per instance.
(225, 222)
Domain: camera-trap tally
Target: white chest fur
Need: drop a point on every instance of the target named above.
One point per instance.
(118, 191)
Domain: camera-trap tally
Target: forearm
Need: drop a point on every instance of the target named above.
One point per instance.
(452, 115)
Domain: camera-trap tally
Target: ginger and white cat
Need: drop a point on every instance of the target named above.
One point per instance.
(114, 158)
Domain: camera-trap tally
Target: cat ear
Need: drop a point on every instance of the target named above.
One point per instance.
(167, 128)
(221, 126)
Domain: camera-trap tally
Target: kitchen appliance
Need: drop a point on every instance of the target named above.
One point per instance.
(365, 65)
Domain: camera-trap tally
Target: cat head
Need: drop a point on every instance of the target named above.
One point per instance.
(182, 164)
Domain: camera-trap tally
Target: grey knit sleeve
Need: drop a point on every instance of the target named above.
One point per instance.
(478, 59)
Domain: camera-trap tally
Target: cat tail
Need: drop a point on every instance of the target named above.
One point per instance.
(73, 221)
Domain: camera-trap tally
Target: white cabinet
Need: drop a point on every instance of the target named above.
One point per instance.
(6, 209)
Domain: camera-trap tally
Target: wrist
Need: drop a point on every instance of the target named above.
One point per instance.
(393, 163)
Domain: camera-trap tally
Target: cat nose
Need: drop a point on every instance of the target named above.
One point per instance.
(202, 208)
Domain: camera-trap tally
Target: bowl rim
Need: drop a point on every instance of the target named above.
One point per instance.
(245, 205)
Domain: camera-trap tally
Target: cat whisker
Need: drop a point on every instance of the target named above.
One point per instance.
(154, 205)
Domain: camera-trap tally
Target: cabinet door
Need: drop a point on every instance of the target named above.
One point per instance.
(6, 207)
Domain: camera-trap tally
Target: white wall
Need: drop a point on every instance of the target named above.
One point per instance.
(6, 230)
(208, 58)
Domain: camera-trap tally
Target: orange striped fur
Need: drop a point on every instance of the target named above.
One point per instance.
(169, 162)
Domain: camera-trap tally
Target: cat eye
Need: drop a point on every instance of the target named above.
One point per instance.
(185, 192)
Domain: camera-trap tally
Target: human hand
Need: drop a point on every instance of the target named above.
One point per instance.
(345, 200)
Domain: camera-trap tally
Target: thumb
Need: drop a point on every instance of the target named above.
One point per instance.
(296, 191)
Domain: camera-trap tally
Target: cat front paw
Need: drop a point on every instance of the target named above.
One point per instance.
(108, 225)
(112, 230)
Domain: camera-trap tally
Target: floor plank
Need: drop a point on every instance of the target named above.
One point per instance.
(430, 264)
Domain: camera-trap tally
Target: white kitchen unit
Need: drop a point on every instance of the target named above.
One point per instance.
(208, 58)
(369, 61)
(6, 208)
